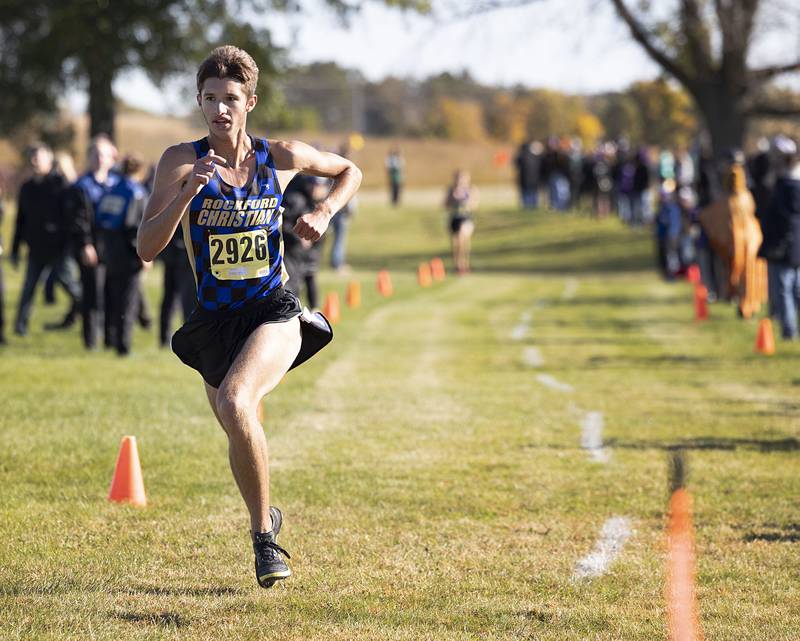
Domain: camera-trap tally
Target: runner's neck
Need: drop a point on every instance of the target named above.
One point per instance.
(235, 149)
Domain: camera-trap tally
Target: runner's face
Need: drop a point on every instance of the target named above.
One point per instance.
(225, 105)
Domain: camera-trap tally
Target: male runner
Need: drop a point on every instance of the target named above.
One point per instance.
(247, 330)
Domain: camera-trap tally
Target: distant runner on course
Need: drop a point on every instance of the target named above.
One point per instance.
(247, 331)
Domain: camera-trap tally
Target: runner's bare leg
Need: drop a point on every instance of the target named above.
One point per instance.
(264, 360)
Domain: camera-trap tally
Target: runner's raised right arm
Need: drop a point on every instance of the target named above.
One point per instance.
(179, 177)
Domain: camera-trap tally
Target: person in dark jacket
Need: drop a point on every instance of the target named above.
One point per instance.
(179, 286)
(301, 256)
(118, 215)
(781, 230)
(41, 225)
(529, 173)
(2, 291)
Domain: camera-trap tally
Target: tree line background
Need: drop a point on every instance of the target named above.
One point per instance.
(709, 83)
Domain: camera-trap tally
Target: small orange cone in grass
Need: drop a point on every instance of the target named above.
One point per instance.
(424, 275)
(693, 274)
(437, 269)
(765, 341)
(681, 592)
(384, 283)
(353, 296)
(700, 302)
(331, 309)
(127, 486)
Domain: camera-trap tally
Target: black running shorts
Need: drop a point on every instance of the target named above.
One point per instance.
(210, 341)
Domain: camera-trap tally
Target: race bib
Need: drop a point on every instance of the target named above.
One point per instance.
(239, 256)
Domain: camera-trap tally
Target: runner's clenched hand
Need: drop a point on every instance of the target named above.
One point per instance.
(312, 226)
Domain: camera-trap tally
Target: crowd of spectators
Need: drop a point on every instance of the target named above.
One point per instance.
(737, 218)
(78, 233)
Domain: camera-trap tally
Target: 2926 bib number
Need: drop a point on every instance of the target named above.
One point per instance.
(239, 256)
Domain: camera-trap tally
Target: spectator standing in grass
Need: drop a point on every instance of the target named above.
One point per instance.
(641, 212)
(762, 176)
(461, 201)
(623, 173)
(178, 286)
(601, 181)
(529, 169)
(41, 225)
(781, 247)
(64, 166)
(395, 169)
(301, 256)
(118, 216)
(735, 236)
(339, 225)
(668, 230)
(2, 290)
(94, 184)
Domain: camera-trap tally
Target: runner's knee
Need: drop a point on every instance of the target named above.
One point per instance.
(234, 409)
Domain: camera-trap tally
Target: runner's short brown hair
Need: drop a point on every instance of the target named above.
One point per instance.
(229, 62)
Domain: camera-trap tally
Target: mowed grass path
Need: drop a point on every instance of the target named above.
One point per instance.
(432, 487)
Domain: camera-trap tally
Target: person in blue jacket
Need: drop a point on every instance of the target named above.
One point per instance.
(118, 215)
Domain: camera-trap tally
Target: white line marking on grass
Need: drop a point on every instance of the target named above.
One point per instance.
(616, 531)
(570, 289)
(554, 383)
(519, 332)
(592, 437)
(532, 357)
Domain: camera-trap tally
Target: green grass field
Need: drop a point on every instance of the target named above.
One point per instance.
(433, 488)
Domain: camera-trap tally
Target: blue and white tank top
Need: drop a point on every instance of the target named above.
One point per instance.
(233, 236)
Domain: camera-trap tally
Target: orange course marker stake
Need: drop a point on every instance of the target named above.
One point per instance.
(681, 596)
(331, 309)
(127, 486)
(437, 269)
(765, 341)
(353, 296)
(700, 302)
(384, 283)
(424, 275)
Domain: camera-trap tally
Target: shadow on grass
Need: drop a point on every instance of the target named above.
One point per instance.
(790, 444)
(585, 252)
(617, 301)
(182, 591)
(789, 533)
(163, 619)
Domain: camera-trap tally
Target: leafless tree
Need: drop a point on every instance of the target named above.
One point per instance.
(707, 46)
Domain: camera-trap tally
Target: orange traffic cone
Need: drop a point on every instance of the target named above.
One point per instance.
(353, 296)
(384, 283)
(693, 274)
(331, 308)
(424, 275)
(127, 486)
(700, 302)
(437, 269)
(765, 341)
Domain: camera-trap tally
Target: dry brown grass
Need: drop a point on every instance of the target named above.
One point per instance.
(430, 162)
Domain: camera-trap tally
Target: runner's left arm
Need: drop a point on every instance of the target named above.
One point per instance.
(296, 157)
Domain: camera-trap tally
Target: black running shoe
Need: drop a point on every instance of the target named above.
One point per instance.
(270, 566)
